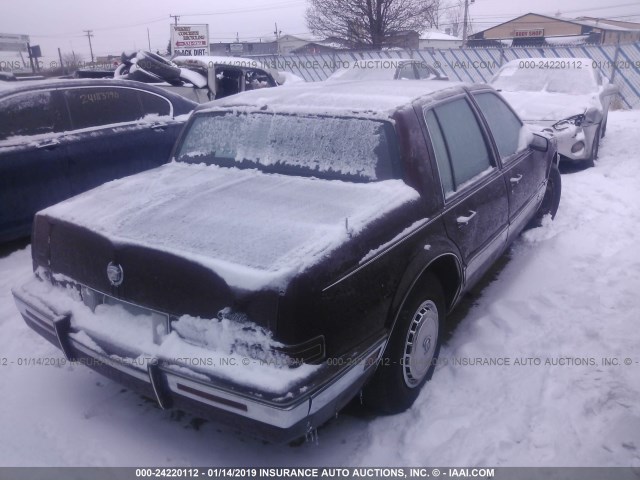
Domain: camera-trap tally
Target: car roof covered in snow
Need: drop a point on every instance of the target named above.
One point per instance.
(371, 98)
(17, 85)
(11, 87)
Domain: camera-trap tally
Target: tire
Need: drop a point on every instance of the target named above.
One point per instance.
(159, 66)
(551, 200)
(411, 353)
(604, 125)
(141, 75)
(121, 72)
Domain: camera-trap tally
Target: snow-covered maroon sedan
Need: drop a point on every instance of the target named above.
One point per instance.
(304, 245)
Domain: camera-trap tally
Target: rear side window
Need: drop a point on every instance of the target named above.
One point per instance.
(27, 114)
(505, 126)
(94, 107)
(407, 72)
(154, 104)
(460, 149)
(425, 71)
(255, 79)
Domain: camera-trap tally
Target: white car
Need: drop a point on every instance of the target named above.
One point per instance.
(565, 96)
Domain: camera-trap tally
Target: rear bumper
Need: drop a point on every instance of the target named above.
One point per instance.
(173, 386)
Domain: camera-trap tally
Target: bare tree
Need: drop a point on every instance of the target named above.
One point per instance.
(452, 18)
(72, 60)
(370, 23)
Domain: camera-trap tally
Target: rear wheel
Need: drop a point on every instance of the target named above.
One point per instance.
(410, 357)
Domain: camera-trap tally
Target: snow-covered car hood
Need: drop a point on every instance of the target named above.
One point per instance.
(255, 230)
(546, 107)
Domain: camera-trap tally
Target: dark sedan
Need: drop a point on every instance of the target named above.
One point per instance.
(305, 245)
(61, 138)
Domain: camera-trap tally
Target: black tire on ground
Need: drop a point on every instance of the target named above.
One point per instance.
(551, 200)
(411, 354)
(604, 125)
(159, 66)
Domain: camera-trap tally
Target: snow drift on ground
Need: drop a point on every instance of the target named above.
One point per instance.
(567, 290)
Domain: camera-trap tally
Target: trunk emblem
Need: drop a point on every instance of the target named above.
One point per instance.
(115, 274)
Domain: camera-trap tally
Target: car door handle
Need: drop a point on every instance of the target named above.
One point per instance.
(515, 180)
(48, 145)
(463, 221)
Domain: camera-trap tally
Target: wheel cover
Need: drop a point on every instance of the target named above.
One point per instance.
(420, 344)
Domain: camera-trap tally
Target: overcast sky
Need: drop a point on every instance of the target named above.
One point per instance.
(122, 24)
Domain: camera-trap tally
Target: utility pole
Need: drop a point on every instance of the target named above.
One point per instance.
(33, 68)
(149, 38)
(466, 20)
(277, 34)
(175, 19)
(64, 70)
(89, 35)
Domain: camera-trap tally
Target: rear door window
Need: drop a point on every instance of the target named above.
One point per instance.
(461, 152)
(154, 104)
(95, 107)
(407, 72)
(30, 113)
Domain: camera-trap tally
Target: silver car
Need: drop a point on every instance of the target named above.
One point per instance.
(567, 97)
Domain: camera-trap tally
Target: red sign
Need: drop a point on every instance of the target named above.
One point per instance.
(534, 32)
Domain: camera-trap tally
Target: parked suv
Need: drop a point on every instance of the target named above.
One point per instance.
(61, 138)
(305, 244)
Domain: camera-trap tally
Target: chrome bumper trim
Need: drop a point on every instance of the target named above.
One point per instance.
(166, 382)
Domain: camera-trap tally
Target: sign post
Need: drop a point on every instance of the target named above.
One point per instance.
(190, 40)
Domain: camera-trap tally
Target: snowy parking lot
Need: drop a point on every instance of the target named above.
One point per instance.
(541, 368)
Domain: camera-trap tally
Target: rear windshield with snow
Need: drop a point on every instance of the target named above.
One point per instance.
(354, 149)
